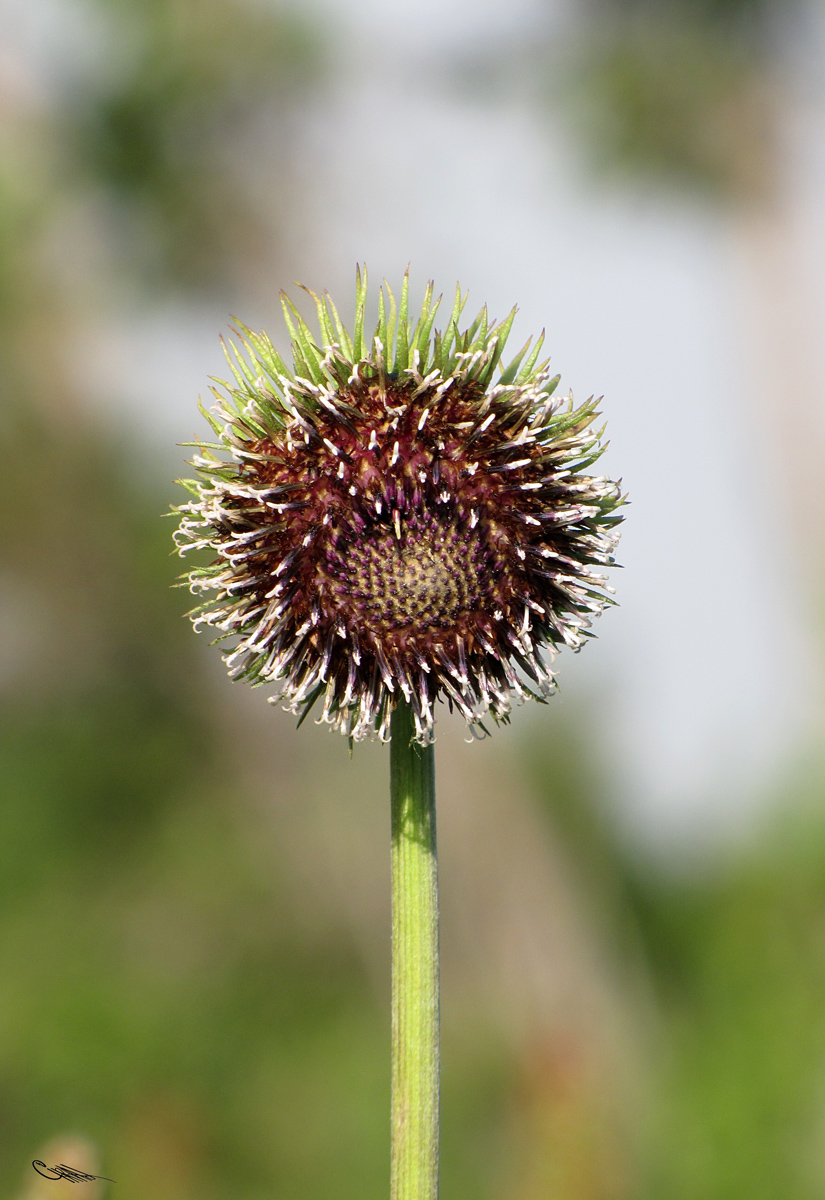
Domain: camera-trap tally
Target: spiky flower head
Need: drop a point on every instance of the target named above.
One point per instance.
(395, 520)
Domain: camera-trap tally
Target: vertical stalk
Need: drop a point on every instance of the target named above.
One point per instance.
(415, 1003)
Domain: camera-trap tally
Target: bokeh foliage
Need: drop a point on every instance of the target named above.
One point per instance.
(734, 957)
(683, 91)
(165, 131)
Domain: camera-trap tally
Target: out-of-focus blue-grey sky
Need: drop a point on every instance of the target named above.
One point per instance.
(703, 677)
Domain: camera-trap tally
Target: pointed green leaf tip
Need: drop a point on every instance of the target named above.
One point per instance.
(406, 347)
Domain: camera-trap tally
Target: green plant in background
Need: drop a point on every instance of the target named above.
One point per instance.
(396, 525)
(683, 90)
(729, 949)
(191, 91)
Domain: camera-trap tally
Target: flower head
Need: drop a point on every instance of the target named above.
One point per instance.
(393, 521)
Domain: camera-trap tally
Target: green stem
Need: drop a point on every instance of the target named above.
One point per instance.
(415, 1006)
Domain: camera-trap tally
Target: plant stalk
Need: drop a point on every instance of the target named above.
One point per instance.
(415, 970)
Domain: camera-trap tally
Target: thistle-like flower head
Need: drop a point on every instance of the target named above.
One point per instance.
(393, 520)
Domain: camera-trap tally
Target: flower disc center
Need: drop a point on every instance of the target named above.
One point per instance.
(427, 578)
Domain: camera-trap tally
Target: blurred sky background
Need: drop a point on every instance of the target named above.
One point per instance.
(633, 878)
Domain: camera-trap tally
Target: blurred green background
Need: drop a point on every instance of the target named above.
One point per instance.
(194, 924)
